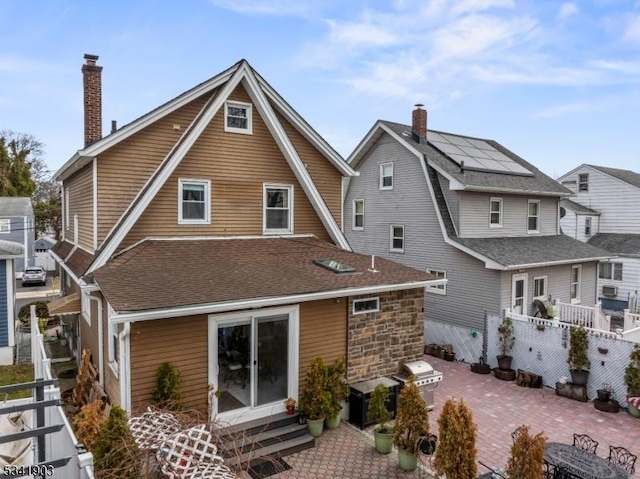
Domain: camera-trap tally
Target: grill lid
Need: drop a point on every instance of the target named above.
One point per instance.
(418, 368)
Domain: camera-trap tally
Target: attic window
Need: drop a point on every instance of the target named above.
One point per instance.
(334, 266)
(238, 117)
(5, 225)
(583, 182)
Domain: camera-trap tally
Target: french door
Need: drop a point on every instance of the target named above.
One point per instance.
(253, 362)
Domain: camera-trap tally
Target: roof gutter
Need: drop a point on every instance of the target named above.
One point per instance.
(556, 263)
(227, 306)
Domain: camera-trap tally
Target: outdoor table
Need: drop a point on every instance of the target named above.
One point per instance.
(582, 463)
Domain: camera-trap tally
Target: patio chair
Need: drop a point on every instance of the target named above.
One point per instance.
(623, 457)
(584, 441)
(541, 309)
(549, 470)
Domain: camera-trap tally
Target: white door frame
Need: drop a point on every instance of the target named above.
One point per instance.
(514, 278)
(250, 413)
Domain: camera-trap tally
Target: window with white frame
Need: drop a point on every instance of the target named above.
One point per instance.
(583, 182)
(278, 209)
(574, 290)
(358, 214)
(194, 198)
(611, 270)
(437, 288)
(587, 226)
(533, 216)
(386, 176)
(366, 305)
(540, 288)
(66, 208)
(5, 225)
(238, 117)
(114, 346)
(396, 238)
(495, 212)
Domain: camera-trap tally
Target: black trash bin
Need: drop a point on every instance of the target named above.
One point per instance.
(360, 394)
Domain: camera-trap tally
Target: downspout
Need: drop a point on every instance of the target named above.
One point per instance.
(100, 340)
(125, 386)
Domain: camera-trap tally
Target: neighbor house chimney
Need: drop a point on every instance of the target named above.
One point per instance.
(92, 81)
(419, 123)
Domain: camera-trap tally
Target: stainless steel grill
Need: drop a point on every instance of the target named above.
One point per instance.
(426, 378)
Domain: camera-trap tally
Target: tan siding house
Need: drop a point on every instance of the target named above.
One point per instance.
(220, 251)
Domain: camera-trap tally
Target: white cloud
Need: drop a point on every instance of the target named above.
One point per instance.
(269, 7)
(567, 10)
(467, 6)
(351, 35)
(631, 32)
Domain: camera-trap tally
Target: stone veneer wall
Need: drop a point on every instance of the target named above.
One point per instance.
(379, 343)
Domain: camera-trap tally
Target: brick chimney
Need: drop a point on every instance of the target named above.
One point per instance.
(419, 123)
(92, 82)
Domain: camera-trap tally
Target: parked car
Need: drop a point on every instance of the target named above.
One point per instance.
(34, 275)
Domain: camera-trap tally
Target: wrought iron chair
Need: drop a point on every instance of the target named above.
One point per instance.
(623, 457)
(584, 441)
(549, 470)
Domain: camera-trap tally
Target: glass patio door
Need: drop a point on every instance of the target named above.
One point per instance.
(271, 366)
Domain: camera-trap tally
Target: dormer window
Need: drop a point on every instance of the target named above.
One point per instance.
(238, 117)
(386, 176)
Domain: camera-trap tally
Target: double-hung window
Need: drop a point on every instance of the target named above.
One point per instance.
(238, 117)
(278, 209)
(358, 214)
(438, 288)
(386, 176)
(194, 202)
(533, 216)
(574, 287)
(540, 287)
(495, 212)
(396, 238)
(583, 182)
(587, 226)
(5, 225)
(611, 270)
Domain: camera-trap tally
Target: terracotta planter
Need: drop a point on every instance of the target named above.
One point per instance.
(291, 411)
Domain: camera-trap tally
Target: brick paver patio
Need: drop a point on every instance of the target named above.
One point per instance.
(499, 407)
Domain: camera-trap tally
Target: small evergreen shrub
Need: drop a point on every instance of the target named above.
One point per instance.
(527, 455)
(115, 453)
(456, 452)
(167, 393)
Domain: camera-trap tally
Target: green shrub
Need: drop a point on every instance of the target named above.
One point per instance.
(115, 453)
(167, 392)
(412, 419)
(42, 311)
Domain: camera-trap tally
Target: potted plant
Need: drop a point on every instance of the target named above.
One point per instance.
(378, 412)
(578, 358)
(506, 339)
(337, 387)
(314, 398)
(527, 454)
(632, 380)
(456, 453)
(412, 423)
(290, 404)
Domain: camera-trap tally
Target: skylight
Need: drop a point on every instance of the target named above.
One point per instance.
(333, 265)
(476, 154)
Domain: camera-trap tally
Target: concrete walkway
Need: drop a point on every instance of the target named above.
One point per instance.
(498, 408)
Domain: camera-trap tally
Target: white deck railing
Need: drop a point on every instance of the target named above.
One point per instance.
(557, 323)
(62, 443)
(587, 316)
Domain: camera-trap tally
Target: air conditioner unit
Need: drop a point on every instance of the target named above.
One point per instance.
(610, 291)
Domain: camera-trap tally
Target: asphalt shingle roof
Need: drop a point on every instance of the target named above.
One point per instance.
(10, 248)
(15, 206)
(532, 250)
(618, 243)
(158, 274)
(627, 176)
(537, 183)
(78, 262)
(577, 207)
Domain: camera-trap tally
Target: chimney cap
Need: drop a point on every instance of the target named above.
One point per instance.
(419, 105)
(91, 59)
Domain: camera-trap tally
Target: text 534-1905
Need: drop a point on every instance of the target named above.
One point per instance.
(22, 470)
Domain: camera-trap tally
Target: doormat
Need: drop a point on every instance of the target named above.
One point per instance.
(268, 468)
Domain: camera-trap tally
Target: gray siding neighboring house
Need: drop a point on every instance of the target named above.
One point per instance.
(17, 225)
(609, 199)
(9, 253)
(445, 209)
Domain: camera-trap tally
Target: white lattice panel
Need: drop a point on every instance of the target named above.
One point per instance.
(467, 347)
(545, 353)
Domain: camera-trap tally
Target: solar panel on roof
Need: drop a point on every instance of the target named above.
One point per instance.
(476, 154)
